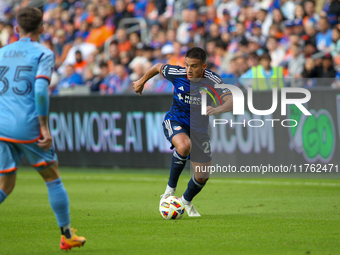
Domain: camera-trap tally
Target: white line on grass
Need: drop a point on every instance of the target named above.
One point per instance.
(155, 179)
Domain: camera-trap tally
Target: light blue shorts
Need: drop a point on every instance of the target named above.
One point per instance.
(12, 153)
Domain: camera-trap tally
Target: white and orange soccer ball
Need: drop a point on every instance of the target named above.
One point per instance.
(172, 208)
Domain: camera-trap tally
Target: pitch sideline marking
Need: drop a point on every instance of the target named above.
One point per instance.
(155, 179)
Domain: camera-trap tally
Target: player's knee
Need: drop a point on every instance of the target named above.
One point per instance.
(202, 180)
(7, 183)
(184, 148)
(51, 173)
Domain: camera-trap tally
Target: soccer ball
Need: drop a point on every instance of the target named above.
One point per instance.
(172, 208)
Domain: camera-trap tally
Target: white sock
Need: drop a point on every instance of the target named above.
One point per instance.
(170, 190)
(185, 201)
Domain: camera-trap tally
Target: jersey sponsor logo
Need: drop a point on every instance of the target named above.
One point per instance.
(177, 128)
(181, 88)
(180, 96)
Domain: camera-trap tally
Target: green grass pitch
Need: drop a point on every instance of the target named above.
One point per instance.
(117, 211)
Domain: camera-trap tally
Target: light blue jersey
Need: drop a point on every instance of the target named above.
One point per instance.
(21, 63)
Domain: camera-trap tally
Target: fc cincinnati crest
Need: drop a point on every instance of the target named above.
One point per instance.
(177, 128)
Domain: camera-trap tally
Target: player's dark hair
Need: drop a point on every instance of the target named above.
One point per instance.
(197, 53)
(29, 19)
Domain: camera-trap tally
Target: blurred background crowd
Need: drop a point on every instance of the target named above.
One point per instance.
(105, 45)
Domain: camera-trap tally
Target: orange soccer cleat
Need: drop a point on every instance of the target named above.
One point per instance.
(75, 241)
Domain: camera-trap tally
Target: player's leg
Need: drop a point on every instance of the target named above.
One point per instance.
(178, 135)
(182, 145)
(59, 202)
(46, 163)
(9, 159)
(7, 183)
(200, 160)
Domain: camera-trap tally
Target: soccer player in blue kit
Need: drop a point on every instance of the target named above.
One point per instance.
(184, 126)
(25, 73)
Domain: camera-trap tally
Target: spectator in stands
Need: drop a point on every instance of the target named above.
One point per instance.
(12, 36)
(229, 76)
(264, 76)
(324, 37)
(93, 82)
(177, 59)
(245, 29)
(138, 72)
(183, 35)
(213, 57)
(121, 13)
(332, 11)
(79, 14)
(310, 29)
(252, 60)
(61, 48)
(278, 18)
(85, 48)
(275, 51)
(85, 29)
(125, 59)
(123, 43)
(3, 34)
(309, 70)
(114, 56)
(117, 83)
(309, 7)
(257, 33)
(242, 66)
(298, 27)
(70, 80)
(335, 46)
(157, 55)
(80, 63)
(326, 70)
(99, 33)
(296, 63)
(70, 31)
(221, 51)
(92, 63)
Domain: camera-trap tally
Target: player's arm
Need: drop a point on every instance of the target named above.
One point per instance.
(42, 103)
(44, 73)
(227, 106)
(138, 86)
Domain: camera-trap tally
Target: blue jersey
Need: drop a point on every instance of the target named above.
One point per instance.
(186, 105)
(21, 63)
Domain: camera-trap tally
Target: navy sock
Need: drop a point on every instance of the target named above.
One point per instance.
(194, 187)
(177, 166)
(59, 202)
(3, 196)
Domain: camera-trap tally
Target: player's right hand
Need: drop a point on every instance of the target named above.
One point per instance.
(138, 86)
(45, 141)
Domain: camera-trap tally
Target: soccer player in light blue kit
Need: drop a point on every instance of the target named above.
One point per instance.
(184, 125)
(25, 72)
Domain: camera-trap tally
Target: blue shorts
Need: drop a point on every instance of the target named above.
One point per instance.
(200, 143)
(12, 153)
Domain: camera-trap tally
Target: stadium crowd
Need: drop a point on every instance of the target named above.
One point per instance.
(290, 39)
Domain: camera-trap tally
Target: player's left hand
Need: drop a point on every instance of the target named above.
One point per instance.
(45, 141)
(212, 111)
(138, 86)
